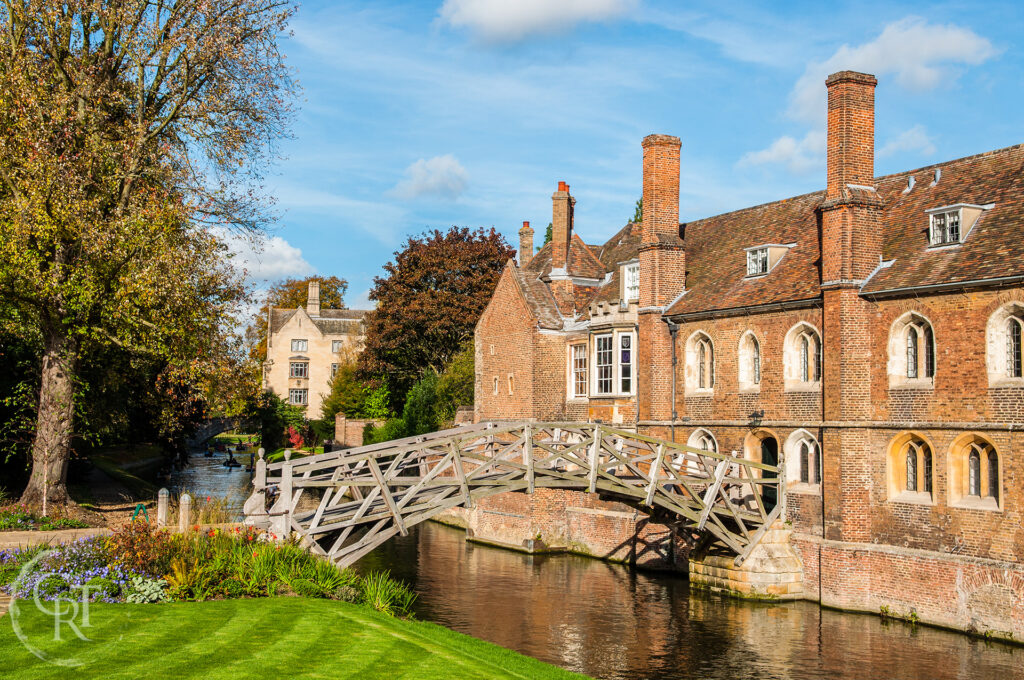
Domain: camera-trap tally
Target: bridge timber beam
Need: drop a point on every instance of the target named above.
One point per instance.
(368, 494)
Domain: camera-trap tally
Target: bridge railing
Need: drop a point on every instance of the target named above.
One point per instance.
(367, 494)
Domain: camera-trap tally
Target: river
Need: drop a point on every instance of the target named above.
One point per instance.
(611, 622)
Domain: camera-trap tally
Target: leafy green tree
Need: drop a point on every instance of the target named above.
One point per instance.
(455, 384)
(549, 234)
(355, 398)
(126, 130)
(420, 412)
(428, 304)
(638, 211)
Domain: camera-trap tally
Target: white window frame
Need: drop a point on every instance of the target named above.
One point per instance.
(610, 365)
(334, 369)
(945, 216)
(294, 373)
(337, 346)
(631, 282)
(302, 394)
(620, 365)
(579, 375)
(300, 345)
(757, 261)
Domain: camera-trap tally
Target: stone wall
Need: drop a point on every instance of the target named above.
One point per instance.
(349, 432)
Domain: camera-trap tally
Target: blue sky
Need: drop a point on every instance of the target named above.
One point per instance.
(419, 115)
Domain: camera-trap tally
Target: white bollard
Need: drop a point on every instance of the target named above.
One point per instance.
(163, 502)
(184, 513)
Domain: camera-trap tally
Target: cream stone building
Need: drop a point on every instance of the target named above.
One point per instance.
(305, 348)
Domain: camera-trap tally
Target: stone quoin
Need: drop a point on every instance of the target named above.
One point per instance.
(867, 336)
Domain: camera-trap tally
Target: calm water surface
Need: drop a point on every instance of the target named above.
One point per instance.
(208, 477)
(611, 622)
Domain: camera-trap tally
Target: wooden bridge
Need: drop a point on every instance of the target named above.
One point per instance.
(366, 495)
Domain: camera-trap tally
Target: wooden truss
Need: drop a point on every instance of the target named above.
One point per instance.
(371, 493)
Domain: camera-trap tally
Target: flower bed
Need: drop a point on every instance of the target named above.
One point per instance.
(18, 518)
(139, 564)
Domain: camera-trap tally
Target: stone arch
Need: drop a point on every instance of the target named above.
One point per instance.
(802, 357)
(700, 363)
(1004, 345)
(749, 361)
(912, 356)
(764, 446)
(975, 473)
(910, 468)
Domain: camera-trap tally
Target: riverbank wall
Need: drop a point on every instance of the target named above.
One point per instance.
(969, 594)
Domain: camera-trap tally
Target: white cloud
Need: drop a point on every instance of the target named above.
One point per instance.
(913, 139)
(510, 21)
(441, 176)
(800, 156)
(920, 56)
(361, 301)
(266, 259)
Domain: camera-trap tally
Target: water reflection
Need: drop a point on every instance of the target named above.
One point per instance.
(209, 477)
(610, 622)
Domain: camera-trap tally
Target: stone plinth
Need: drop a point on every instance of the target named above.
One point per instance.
(773, 571)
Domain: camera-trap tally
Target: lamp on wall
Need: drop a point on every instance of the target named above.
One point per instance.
(755, 419)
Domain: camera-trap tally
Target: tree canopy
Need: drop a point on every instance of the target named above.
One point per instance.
(428, 303)
(126, 129)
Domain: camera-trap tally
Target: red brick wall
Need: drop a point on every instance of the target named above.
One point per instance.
(505, 345)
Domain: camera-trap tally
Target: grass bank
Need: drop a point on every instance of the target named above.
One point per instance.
(286, 637)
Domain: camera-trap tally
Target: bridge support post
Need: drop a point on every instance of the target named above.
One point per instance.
(256, 505)
(772, 570)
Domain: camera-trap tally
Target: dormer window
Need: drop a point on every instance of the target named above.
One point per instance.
(945, 228)
(757, 261)
(631, 282)
(951, 224)
(763, 259)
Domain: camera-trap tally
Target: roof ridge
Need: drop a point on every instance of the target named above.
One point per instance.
(755, 207)
(962, 159)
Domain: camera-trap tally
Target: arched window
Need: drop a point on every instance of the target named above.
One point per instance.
(909, 470)
(700, 363)
(749, 361)
(1014, 360)
(802, 459)
(1005, 349)
(911, 349)
(802, 356)
(974, 473)
(699, 439)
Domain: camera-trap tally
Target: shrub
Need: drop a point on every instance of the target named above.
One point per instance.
(386, 595)
(105, 588)
(140, 548)
(144, 590)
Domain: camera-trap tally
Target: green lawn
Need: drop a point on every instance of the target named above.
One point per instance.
(284, 637)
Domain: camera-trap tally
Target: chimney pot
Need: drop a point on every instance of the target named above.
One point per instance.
(525, 244)
(562, 186)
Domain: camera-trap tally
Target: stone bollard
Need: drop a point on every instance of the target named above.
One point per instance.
(163, 501)
(256, 505)
(184, 513)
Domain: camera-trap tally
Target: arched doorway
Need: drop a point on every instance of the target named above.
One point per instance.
(770, 456)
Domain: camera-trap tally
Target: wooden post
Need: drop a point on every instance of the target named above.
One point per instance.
(163, 501)
(528, 456)
(655, 472)
(595, 458)
(184, 513)
(256, 505)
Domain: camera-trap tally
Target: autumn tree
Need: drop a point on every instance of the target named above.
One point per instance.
(290, 294)
(428, 303)
(127, 129)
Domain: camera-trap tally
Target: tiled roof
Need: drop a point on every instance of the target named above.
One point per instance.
(356, 314)
(279, 317)
(538, 297)
(993, 249)
(716, 262)
(716, 265)
(330, 321)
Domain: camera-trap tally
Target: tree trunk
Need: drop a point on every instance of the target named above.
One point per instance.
(51, 449)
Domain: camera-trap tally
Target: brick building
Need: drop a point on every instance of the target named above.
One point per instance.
(867, 336)
(305, 347)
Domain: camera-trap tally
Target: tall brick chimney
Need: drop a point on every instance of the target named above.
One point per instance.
(561, 226)
(851, 130)
(661, 187)
(662, 275)
(313, 298)
(851, 248)
(525, 244)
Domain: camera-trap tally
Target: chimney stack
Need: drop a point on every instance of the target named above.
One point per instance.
(561, 226)
(313, 298)
(851, 131)
(661, 188)
(525, 244)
